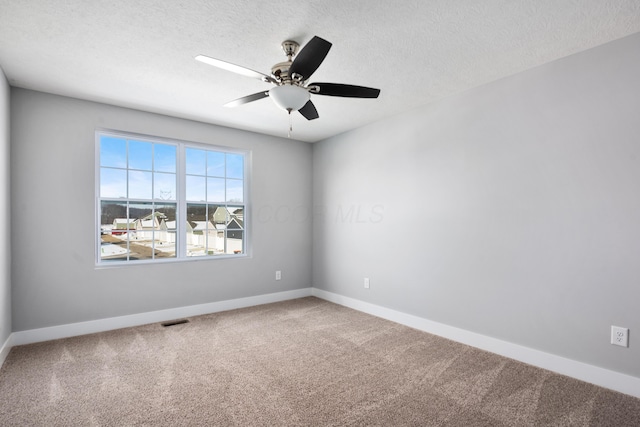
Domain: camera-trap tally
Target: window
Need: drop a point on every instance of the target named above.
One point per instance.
(166, 200)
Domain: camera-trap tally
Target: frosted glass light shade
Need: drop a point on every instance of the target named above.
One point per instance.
(289, 97)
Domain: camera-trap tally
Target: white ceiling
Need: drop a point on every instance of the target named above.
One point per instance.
(140, 53)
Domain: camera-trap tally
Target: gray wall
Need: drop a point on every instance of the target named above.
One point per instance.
(5, 223)
(53, 217)
(511, 210)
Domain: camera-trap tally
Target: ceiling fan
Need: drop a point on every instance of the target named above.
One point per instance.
(291, 91)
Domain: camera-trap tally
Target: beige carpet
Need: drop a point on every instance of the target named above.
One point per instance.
(305, 362)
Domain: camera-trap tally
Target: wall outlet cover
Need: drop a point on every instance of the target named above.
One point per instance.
(620, 336)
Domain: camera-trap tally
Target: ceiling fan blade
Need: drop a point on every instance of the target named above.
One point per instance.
(247, 99)
(235, 68)
(348, 91)
(309, 111)
(310, 57)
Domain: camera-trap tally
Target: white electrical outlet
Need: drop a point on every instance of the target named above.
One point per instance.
(620, 336)
(366, 283)
(278, 274)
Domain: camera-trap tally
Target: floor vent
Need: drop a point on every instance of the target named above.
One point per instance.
(174, 322)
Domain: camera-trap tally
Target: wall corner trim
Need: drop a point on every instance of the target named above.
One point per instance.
(5, 348)
(589, 373)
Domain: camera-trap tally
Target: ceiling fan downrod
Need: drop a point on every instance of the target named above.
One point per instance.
(290, 48)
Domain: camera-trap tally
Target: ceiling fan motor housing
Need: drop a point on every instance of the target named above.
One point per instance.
(281, 71)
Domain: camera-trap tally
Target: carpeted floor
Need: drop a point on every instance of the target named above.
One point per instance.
(304, 362)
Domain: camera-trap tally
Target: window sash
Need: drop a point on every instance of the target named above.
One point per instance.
(231, 242)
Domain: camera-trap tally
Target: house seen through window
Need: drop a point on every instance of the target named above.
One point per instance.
(162, 200)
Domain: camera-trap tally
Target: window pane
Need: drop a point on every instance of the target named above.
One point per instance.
(140, 185)
(219, 215)
(164, 158)
(164, 242)
(164, 187)
(215, 189)
(235, 231)
(196, 188)
(235, 165)
(113, 152)
(215, 242)
(196, 161)
(113, 183)
(238, 213)
(215, 163)
(113, 231)
(234, 191)
(235, 243)
(229, 224)
(198, 229)
(140, 155)
(141, 238)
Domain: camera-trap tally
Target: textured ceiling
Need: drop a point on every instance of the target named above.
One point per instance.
(140, 53)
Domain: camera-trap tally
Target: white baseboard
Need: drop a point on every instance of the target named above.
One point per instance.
(101, 325)
(592, 374)
(599, 376)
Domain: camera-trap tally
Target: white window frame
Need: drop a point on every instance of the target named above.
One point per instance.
(181, 202)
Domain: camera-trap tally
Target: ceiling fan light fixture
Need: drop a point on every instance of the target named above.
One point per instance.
(289, 97)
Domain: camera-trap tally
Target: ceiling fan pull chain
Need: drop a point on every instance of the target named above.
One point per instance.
(290, 125)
